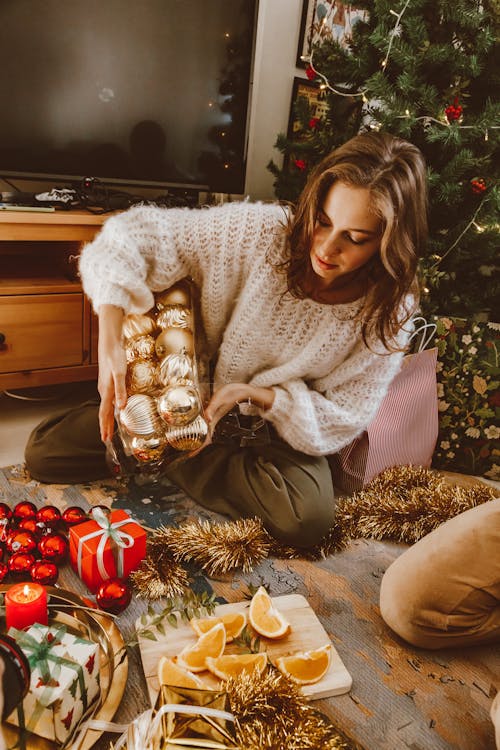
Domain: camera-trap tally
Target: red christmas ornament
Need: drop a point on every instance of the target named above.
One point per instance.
(73, 515)
(5, 511)
(310, 73)
(314, 123)
(49, 514)
(478, 185)
(300, 164)
(20, 565)
(2, 552)
(44, 572)
(453, 111)
(28, 524)
(24, 510)
(4, 571)
(53, 548)
(114, 595)
(21, 541)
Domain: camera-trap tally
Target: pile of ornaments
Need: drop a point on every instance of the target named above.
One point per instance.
(163, 416)
(34, 542)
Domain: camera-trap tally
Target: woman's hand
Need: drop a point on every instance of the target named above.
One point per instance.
(225, 398)
(112, 368)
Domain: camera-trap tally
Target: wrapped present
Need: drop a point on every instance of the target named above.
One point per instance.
(111, 545)
(64, 685)
(183, 719)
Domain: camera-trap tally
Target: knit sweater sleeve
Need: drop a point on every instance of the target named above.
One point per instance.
(147, 249)
(321, 417)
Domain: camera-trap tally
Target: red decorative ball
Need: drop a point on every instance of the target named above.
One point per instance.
(73, 515)
(53, 548)
(2, 552)
(5, 511)
(21, 541)
(453, 111)
(28, 524)
(478, 185)
(24, 510)
(44, 572)
(114, 595)
(49, 515)
(20, 565)
(4, 571)
(310, 73)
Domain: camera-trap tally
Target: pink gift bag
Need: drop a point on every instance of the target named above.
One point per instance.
(404, 431)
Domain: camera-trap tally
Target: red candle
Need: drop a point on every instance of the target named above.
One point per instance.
(25, 603)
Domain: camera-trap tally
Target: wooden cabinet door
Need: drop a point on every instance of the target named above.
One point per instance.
(41, 331)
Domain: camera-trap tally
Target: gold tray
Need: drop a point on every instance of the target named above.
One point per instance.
(95, 626)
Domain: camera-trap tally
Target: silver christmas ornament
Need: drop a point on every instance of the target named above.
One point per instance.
(141, 376)
(137, 325)
(176, 367)
(142, 347)
(174, 341)
(175, 316)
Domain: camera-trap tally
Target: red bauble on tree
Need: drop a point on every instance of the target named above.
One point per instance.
(454, 111)
(310, 73)
(478, 185)
(114, 595)
(300, 164)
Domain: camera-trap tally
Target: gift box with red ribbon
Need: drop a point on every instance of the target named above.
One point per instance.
(108, 546)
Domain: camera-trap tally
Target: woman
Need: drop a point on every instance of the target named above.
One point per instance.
(304, 316)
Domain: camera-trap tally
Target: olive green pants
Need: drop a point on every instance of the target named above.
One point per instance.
(290, 491)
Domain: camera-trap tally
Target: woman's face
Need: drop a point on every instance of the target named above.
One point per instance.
(346, 235)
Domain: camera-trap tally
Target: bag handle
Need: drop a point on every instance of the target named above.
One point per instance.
(423, 333)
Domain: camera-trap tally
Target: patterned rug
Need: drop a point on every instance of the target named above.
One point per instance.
(401, 697)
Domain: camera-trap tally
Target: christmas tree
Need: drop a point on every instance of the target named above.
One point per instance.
(427, 71)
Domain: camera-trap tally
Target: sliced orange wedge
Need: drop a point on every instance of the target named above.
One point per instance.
(233, 622)
(264, 618)
(170, 673)
(306, 667)
(231, 665)
(211, 643)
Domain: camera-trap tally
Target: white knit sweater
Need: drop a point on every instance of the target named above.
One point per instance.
(328, 385)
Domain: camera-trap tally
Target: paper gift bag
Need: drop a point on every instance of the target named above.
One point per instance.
(193, 718)
(403, 432)
(110, 545)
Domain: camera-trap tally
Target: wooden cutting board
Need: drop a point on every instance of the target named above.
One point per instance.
(307, 633)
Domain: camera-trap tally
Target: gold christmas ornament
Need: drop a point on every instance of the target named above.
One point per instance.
(139, 416)
(179, 404)
(189, 437)
(137, 325)
(142, 347)
(178, 294)
(174, 341)
(175, 316)
(148, 449)
(141, 376)
(176, 367)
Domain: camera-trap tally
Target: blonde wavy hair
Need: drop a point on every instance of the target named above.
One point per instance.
(394, 172)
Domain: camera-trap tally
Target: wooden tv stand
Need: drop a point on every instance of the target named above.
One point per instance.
(48, 334)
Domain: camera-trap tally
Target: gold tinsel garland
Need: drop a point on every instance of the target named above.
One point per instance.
(403, 504)
(271, 713)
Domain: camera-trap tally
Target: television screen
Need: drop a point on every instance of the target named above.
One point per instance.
(148, 91)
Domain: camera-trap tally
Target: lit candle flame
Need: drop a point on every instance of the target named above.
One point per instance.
(26, 590)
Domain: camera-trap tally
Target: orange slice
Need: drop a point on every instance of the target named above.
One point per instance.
(264, 618)
(170, 673)
(211, 643)
(232, 665)
(306, 667)
(233, 622)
